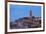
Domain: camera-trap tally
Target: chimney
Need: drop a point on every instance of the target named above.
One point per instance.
(30, 12)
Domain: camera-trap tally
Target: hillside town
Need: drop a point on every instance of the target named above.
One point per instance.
(26, 22)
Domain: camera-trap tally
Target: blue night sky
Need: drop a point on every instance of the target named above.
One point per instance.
(20, 11)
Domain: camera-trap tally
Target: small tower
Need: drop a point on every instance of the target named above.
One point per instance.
(30, 12)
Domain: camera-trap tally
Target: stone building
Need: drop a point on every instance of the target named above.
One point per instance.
(28, 22)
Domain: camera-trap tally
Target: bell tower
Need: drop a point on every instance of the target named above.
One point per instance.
(30, 12)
